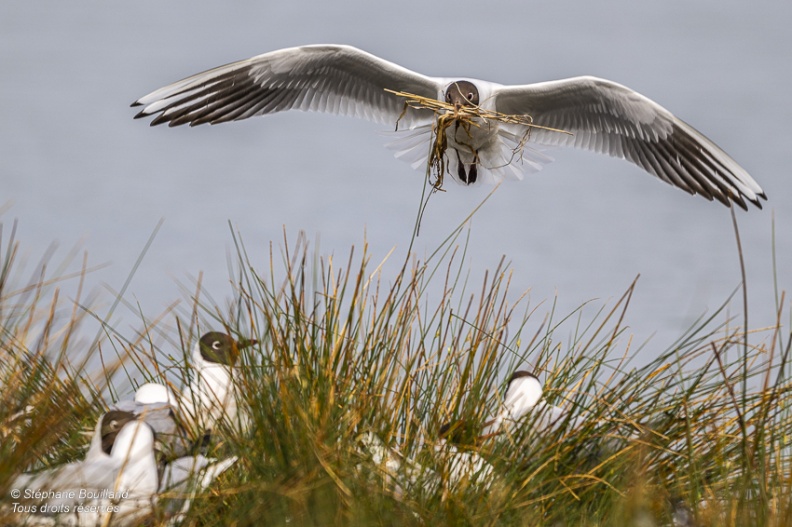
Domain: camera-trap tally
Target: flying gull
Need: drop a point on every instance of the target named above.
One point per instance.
(599, 115)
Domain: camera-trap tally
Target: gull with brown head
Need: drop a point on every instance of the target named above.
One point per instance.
(582, 112)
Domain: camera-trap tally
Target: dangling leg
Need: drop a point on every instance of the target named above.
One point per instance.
(473, 172)
(461, 168)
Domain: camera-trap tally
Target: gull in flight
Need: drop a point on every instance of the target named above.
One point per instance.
(597, 115)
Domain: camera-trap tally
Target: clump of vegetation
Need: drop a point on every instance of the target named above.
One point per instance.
(698, 434)
(468, 116)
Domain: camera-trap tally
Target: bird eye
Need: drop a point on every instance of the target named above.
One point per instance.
(216, 345)
(470, 96)
(448, 97)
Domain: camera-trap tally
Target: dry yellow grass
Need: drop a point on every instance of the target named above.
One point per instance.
(466, 116)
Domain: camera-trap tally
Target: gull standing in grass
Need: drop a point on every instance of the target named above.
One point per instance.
(457, 451)
(117, 479)
(595, 114)
(182, 476)
(104, 437)
(523, 396)
(108, 426)
(523, 392)
(158, 406)
(212, 395)
(403, 473)
(456, 454)
(208, 401)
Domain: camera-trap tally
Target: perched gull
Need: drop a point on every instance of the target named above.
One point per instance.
(117, 478)
(119, 475)
(523, 396)
(158, 407)
(209, 398)
(600, 115)
(458, 453)
(403, 474)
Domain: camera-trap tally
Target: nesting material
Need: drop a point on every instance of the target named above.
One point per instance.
(465, 116)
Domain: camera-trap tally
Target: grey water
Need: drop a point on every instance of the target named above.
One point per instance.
(77, 170)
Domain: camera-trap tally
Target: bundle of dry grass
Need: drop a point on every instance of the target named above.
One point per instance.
(466, 116)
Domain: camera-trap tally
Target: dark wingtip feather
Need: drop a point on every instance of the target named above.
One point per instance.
(158, 120)
(741, 203)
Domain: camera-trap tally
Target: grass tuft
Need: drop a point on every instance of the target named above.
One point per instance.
(700, 431)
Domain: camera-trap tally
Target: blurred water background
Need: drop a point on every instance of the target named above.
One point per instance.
(77, 170)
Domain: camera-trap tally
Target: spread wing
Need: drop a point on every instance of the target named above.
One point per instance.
(609, 118)
(324, 78)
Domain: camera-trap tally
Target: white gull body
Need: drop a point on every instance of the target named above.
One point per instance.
(157, 405)
(463, 467)
(212, 396)
(523, 397)
(208, 400)
(402, 473)
(602, 116)
(120, 484)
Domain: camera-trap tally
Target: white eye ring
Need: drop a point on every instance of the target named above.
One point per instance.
(216, 345)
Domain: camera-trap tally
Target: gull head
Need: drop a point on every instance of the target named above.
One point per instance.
(462, 93)
(522, 394)
(221, 348)
(110, 424)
